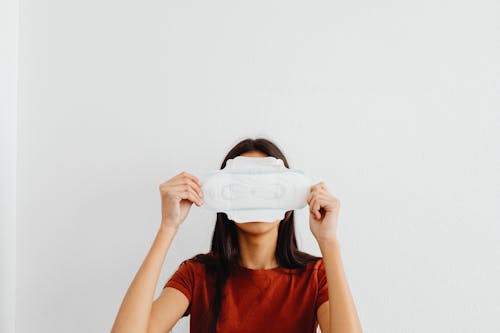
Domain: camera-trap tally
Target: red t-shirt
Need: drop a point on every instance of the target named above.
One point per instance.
(256, 300)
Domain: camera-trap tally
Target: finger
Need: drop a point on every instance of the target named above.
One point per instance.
(316, 207)
(314, 187)
(316, 192)
(194, 197)
(311, 205)
(195, 179)
(319, 185)
(312, 208)
(328, 202)
(182, 180)
(194, 186)
(311, 196)
(323, 190)
(317, 189)
(191, 196)
(185, 195)
(185, 174)
(322, 201)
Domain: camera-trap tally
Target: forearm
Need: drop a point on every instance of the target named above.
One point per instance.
(343, 314)
(135, 309)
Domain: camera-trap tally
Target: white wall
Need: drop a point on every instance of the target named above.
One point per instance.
(394, 104)
(9, 11)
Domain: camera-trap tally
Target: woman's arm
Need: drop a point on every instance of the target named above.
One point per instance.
(135, 310)
(342, 314)
(135, 313)
(338, 314)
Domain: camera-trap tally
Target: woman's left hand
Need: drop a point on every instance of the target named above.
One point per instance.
(323, 213)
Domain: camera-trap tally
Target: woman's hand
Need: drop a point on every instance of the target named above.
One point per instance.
(323, 213)
(177, 196)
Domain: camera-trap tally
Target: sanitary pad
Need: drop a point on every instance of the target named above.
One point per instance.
(255, 189)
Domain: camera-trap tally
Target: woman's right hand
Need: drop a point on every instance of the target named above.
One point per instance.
(177, 195)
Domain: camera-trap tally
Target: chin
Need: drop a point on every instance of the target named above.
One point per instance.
(256, 228)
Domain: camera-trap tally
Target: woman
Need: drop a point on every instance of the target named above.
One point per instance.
(254, 279)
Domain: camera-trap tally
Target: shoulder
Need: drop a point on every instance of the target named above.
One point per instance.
(320, 272)
(316, 265)
(317, 269)
(197, 264)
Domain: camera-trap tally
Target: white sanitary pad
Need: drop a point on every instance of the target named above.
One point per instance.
(255, 189)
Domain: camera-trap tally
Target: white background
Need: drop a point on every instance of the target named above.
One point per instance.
(9, 22)
(394, 104)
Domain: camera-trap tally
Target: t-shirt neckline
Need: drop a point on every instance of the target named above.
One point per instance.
(260, 271)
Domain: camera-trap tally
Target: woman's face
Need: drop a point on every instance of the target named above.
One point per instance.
(256, 228)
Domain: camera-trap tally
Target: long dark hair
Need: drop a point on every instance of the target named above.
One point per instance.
(224, 254)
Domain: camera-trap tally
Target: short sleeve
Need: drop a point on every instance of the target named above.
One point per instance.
(183, 280)
(322, 295)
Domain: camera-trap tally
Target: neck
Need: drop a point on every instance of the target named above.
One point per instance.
(258, 251)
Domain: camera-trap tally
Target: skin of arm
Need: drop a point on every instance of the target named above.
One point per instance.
(342, 315)
(338, 314)
(138, 313)
(135, 312)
